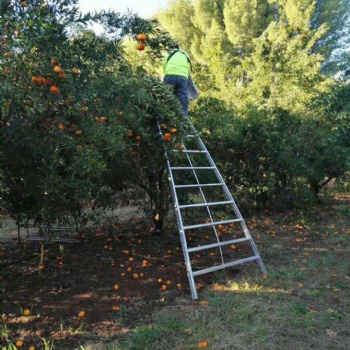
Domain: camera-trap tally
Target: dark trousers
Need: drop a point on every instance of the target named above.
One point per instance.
(180, 85)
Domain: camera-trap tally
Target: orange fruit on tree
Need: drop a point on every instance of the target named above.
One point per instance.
(54, 62)
(81, 314)
(141, 46)
(41, 267)
(163, 287)
(19, 343)
(138, 138)
(130, 134)
(75, 71)
(116, 308)
(55, 89)
(37, 80)
(32, 347)
(173, 131)
(24, 4)
(121, 114)
(78, 132)
(26, 312)
(61, 126)
(62, 75)
(57, 69)
(141, 37)
(167, 137)
(116, 287)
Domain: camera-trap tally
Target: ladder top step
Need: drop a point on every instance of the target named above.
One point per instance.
(212, 224)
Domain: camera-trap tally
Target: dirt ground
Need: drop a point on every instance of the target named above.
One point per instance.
(116, 275)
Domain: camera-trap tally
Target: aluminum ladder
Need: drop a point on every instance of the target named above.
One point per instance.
(200, 194)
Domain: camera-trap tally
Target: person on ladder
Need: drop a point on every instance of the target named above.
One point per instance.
(177, 69)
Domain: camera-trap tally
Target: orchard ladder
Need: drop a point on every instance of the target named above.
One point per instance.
(206, 212)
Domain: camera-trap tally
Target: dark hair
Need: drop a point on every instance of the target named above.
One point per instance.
(175, 47)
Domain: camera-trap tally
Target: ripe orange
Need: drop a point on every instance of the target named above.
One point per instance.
(116, 287)
(141, 37)
(121, 114)
(55, 89)
(54, 62)
(41, 267)
(173, 131)
(116, 308)
(163, 287)
(61, 126)
(62, 75)
(37, 80)
(75, 71)
(19, 343)
(26, 312)
(81, 314)
(167, 137)
(203, 344)
(24, 4)
(130, 134)
(32, 347)
(57, 69)
(78, 132)
(138, 137)
(141, 46)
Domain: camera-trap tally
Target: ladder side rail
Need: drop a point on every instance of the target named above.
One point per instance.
(188, 265)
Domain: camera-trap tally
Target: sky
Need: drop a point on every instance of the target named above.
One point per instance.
(144, 8)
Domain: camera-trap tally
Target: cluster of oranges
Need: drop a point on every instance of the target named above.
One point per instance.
(167, 136)
(141, 42)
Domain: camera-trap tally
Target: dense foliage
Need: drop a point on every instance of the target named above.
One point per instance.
(77, 123)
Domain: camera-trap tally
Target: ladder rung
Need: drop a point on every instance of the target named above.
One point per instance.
(200, 185)
(189, 151)
(215, 245)
(212, 224)
(193, 168)
(222, 266)
(204, 204)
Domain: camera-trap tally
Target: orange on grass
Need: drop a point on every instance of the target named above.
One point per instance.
(140, 46)
(81, 314)
(26, 312)
(203, 344)
(55, 89)
(167, 137)
(57, 69)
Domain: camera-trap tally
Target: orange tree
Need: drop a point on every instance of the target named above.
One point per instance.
(77, 124)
